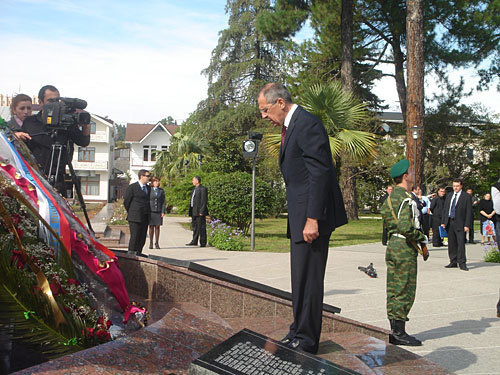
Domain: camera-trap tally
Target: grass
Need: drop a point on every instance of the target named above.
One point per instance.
(270, 234)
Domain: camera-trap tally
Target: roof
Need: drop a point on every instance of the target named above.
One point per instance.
(390, 116)
(137, 132)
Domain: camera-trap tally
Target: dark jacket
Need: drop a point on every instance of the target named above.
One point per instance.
(200, 201)
(157, 200)
(463, 210)
(13, 125)
(437, 207)
(137, 203)
(41, 141)
(312, 190)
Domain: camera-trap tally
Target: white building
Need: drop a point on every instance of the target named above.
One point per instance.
(143, 140)
(94, 163)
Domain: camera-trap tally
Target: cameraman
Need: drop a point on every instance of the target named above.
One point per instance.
(42, 139)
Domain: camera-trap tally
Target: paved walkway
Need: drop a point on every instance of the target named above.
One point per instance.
(454, 312)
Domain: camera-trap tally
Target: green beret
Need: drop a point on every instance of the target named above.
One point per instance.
(400, 168)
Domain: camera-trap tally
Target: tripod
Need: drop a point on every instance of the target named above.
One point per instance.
(53, 174)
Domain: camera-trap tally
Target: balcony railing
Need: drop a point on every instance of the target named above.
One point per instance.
(91, 165)
(99, 136)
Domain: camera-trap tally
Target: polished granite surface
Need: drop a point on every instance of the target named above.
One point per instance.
(190, 314)
(186, 331)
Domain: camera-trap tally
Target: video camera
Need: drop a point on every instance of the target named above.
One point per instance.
(61, 114)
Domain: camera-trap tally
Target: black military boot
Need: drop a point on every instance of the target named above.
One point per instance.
(399, 336)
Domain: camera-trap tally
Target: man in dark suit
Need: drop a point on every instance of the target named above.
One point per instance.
(437, 210)
(136, 203)
(457, 219)
(315, 208)
(198, 211)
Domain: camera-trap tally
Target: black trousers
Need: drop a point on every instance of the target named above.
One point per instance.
(426, 224)
(308, 263)
(436, 238)
(199, 227)
(138, 232)
(470, 234)
(384, 235)
(456, 243)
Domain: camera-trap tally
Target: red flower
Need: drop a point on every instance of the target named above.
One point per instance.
(17, 258)
(56, 288)
(109, 323)
(16, 219)
(20, 232)
(73, 282)
(103, 335)
(90, 331)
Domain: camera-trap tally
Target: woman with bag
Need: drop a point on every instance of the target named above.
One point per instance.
(487, 217)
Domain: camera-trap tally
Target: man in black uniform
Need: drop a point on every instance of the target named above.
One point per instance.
(198, 211)
(437, 207)
(43, 138)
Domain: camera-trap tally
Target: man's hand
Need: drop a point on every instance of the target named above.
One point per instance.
(162, 214)
(22, 136)
(86, 129)
(466, 229)
(310, 232)
(444, 226)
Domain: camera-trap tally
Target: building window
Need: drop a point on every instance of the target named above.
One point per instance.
(164, 148)
(149, 153)
(90, 185)
(92, 127)
(86, 153)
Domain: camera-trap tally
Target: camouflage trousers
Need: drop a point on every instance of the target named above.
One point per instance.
(401, 261)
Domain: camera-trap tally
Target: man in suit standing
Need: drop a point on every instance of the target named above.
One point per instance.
(457, 219)
(315, 208)
(198, 211)
(437, 209)
(136, 203)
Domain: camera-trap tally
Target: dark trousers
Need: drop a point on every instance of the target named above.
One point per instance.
(308, 263)
(470, 234)
(497, 228)
(436, 238)
(384, 235)
(426, 224)
(456, 243)
(199, 227)
(138, 232)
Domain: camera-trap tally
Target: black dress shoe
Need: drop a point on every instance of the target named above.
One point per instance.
(451, 265)
(463, 267)
(286, 340)
(191, 244)
(142, 255)
(131, 252)
(203, 245)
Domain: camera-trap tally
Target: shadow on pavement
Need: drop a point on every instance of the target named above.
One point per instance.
(341, 291)
(452, 358)
(482, 264)
(456, 328)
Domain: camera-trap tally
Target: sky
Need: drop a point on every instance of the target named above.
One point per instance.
(133, 61)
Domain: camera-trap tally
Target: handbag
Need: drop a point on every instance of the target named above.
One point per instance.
(442, 232)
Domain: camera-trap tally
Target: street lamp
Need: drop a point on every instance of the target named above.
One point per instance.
(250, 148)
(414, 133)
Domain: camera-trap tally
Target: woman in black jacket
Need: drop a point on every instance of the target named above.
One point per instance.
(157, 202)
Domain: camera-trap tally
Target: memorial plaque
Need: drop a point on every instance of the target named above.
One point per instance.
(250, 353)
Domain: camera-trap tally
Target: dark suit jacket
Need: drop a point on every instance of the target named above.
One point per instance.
(312, 189)
(137, 203)
(463, 210)
(437, 207)
(199, 202)
(157, 201)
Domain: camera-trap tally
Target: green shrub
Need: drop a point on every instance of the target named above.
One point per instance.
(223, 237)
(230, 199)
(492, 254)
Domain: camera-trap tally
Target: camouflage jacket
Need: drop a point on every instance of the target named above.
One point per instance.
(407, 213)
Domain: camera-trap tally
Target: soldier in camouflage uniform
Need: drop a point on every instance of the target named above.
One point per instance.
(399, 212)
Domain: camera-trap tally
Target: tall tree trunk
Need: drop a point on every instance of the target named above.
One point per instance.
(348, 168)
(415, 80)
(399, 72)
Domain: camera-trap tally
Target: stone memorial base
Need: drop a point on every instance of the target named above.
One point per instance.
(249, 353)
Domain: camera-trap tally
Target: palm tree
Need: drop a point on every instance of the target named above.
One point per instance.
(342, 114)
(183, 154)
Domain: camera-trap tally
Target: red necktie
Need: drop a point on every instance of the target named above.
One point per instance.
(283, 132)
